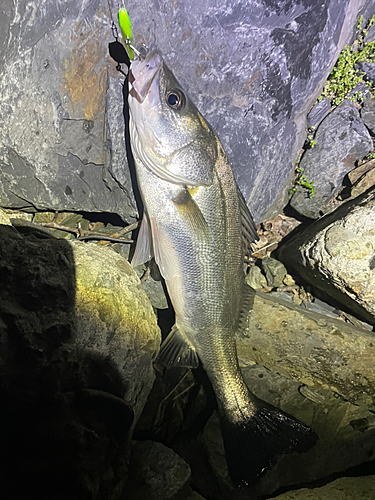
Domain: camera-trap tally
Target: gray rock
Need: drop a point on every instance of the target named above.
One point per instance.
(368, 69)
(157, 473)
(321, 307)
(275, 272)
(341, 139)
(253, 69)
(255, 278)
(336, 255)
(368, 114)
(344, 488)
(319, 111)
(346, 433)
(361, 92)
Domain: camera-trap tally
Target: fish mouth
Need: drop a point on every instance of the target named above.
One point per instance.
(143, 74)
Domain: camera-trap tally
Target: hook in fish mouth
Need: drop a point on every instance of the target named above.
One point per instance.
(143, 73)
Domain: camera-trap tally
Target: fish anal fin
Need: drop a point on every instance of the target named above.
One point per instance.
(143, 250)
(176, 351)
(191, 214)
(247, 303)
(253, 444)
(249, 232)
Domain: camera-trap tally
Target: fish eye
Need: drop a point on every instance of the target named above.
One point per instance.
(175, 99)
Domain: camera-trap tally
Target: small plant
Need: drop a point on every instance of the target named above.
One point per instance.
(303, 181)
(344, 76)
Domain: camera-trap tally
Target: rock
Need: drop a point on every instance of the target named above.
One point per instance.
(4, 218)
(336, 255)
(77, 340)
(62, 143)
(288, 280)
(255, 278)
(361, 93)
(358, 172)
(318, 112)
(346, 434)
(368, 69)
(344, 488)
(341, 139)
(275, 272)
(368, 114)
(157, 473)
(115, 318)
(310, 347)
(366, 182)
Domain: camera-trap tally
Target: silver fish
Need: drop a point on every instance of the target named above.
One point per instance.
(197, 226)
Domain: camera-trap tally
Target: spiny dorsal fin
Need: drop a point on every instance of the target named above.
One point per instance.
(248, 295)
(249, 232)
(176, 351)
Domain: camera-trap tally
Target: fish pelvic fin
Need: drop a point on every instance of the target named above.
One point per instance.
(143, 250)
(253, 444)
(177, 351)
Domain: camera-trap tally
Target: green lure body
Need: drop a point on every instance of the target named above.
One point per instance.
(126, 30)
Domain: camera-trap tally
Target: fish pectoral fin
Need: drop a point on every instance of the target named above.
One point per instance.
(247, 303)
(192, 215)
(143, 250)
(177, 351)
(253, 442)
(249, 231)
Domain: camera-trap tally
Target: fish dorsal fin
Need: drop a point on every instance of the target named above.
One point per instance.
(247, 303)
(249, 232)
(192, 215)
(164, 254)
(143, 250)
(177, 351)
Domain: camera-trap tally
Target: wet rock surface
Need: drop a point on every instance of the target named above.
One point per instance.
(75, 367)
(341, 139)
(61, 143)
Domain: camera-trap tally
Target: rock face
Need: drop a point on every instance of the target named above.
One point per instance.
(341, 139)
(75, 366)
(310, 347)
(254, 69)
(157, 473)
(336, 255)
(345, 488)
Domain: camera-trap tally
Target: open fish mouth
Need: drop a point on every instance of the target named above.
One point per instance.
(143, 74)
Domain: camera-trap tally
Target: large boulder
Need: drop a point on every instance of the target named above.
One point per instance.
(253, 68)
(336, 255)
(77, 340)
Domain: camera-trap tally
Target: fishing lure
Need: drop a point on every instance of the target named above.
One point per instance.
(126, 30)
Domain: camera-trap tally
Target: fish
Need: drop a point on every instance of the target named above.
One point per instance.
(197, 226)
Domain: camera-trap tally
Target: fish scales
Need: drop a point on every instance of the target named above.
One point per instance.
(192, 226)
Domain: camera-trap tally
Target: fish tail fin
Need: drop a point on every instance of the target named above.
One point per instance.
(253, 444)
